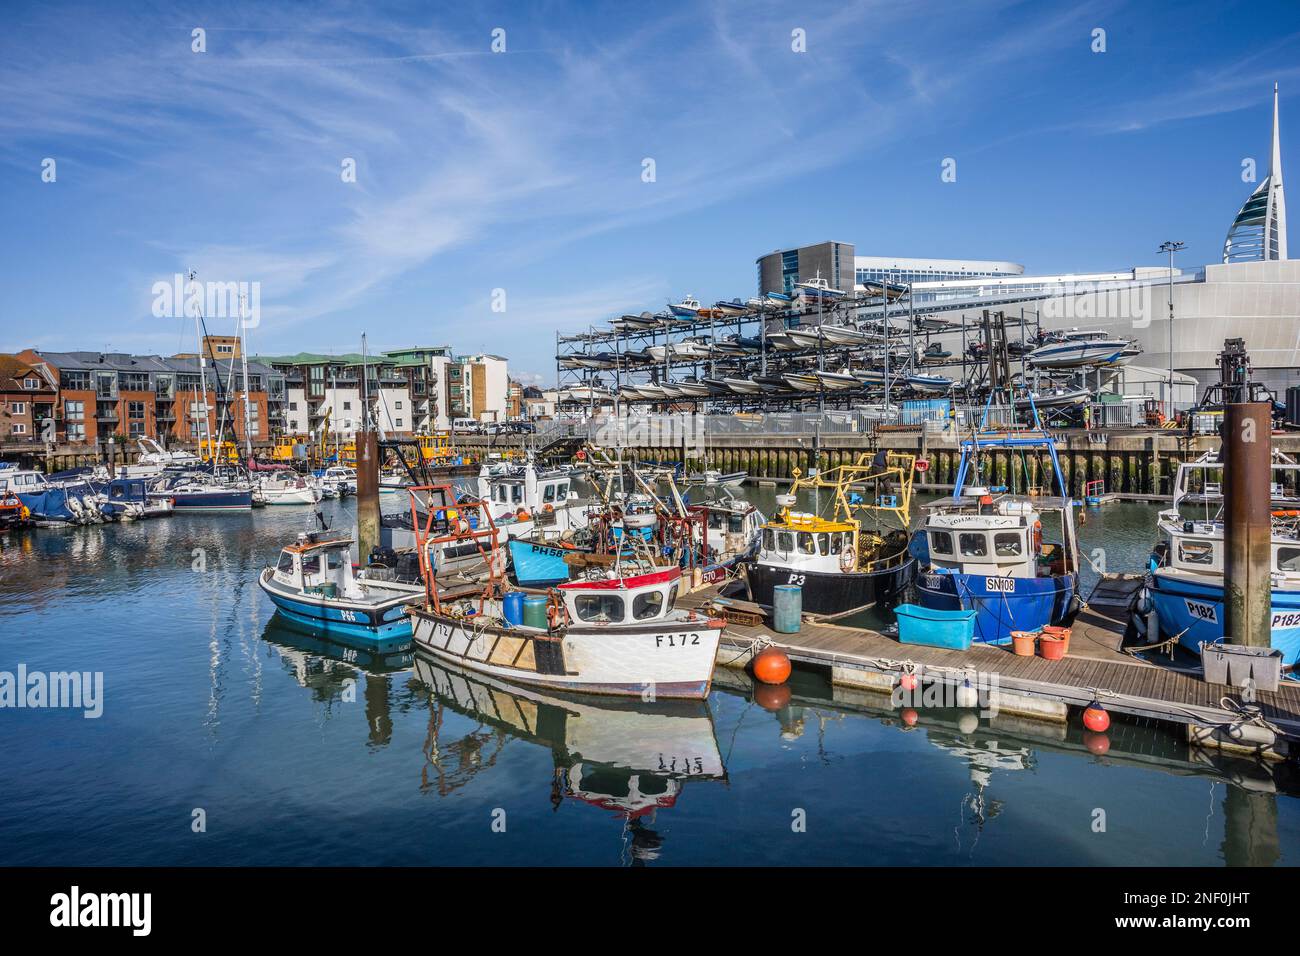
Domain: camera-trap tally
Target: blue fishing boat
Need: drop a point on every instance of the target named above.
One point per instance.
(1187, 563)
(984, 549)
(539, 563)
(314, 587)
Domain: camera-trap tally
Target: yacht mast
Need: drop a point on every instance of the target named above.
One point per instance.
(243, 361)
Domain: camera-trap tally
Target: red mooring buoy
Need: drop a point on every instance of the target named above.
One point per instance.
(1095, 718)
(771, 666)
(907, 681)
(910, 716)
(772, 698)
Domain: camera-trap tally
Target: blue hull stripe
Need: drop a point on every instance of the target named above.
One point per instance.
(1034, 602)
(1195, 611)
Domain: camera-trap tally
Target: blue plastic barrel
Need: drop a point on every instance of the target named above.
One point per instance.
(513, 607)
(787, 606)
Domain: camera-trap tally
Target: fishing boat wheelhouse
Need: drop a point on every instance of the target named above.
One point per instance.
(838, 562)
(1187, 566)
(983, 548)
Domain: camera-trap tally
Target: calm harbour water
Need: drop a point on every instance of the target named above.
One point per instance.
(302, 754)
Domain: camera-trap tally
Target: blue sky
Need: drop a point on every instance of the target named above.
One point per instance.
(522, 170)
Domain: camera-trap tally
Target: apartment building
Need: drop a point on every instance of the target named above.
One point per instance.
(324, 394)
(103, 394)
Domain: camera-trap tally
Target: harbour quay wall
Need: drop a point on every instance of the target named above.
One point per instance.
(1127, 462)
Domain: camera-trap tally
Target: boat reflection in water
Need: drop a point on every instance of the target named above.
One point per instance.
(625, 756)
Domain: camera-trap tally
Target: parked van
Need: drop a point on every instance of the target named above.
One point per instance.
(470, 425)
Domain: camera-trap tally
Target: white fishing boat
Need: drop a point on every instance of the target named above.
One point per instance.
(621, 636)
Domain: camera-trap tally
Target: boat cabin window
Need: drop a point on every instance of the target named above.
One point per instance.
(310, 565)
(516, 494)
(599, 608)
(769, 539)
(837, 542)
(823, 544)
(333, 560)
(973, 545)
(806, 545)
(1288, 559)
(647, 605)
(672, 596)
(548, 492)
(735, 523)
(941, 542)
(785, 542)
(1191, 551)
(286, 563)
(1008, 544)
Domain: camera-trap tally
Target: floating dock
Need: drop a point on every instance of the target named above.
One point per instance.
(1145, 683)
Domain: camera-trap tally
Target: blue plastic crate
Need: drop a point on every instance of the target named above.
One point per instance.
(921, 625)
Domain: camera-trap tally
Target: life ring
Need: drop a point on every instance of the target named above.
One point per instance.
(462, 525)
(848, 560)
(548, 509)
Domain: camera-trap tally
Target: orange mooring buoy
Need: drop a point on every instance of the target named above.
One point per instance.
(771, 666)
(772, 698)
(1096, 719)
(910, 716)
(907, 681)
(1098, 744)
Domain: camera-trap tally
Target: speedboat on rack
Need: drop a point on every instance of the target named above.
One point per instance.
(1071, 349)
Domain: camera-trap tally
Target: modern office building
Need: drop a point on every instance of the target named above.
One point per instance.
(833, 261)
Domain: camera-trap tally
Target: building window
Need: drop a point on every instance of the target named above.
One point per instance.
(398, 423)
(76, 432)
(135, 429)
(19, 428)
(135, 410)
(293, 406)
(18, 408)
(31, 382)
(398, 405)
(75, 381)
(74, 411)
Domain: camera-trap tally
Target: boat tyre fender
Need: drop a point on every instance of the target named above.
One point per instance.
(848, 560)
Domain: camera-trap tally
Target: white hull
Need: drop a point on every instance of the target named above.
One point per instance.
(291, 496)
(665, 658)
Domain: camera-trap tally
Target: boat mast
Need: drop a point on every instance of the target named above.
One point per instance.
(243, 361)
(203, 380)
